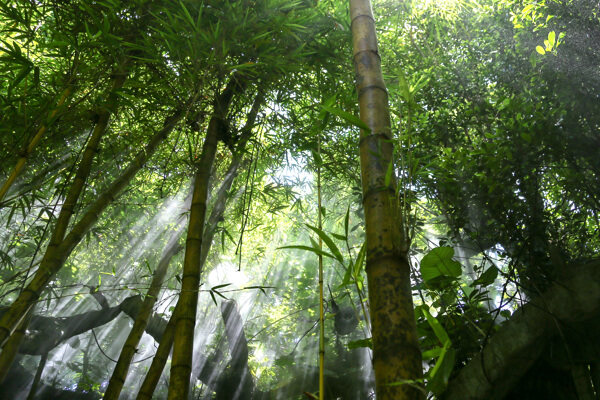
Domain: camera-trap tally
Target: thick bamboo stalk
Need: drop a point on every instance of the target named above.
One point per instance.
(117, 379)
(11, 348)
(164, 348)
(53, 264)
(183, 344)
(29, 149)
(396, 353)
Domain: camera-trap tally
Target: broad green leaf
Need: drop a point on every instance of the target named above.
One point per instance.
(432, 353)
(438, 376)
(487, 278)
(439, 262)
(552, 38)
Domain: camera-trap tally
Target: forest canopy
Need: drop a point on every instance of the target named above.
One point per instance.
(261, 199)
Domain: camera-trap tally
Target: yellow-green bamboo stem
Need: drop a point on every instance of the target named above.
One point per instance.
(29, 149)
(159, 360)
(11, 348)
(321, 301)
(33, 290)
(396, 353)
(183, 344)
(186, 319)
(117, 379)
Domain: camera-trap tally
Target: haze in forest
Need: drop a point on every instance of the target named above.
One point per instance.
(269, 199)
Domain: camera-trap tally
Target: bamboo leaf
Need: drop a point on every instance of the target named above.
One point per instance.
(347, 222)
(308, 248)
(350, 118)
(329, 242)
(220, 286)
(438, 329)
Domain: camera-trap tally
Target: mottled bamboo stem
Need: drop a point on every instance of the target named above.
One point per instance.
(396, 353)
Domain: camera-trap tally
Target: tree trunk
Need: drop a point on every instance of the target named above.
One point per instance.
(183, 344)
(29, 149)
(117, 380)
(516, 346)
(396, 353)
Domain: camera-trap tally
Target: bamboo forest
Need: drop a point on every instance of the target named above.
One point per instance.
(300, 199)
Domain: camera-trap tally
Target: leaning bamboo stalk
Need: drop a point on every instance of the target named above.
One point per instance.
(117, 379)
(11, 348)
(49, 269)
(22, 305)
(158, 362)
(38, 376)
(183, 344)
(31, 146)
(396, 353)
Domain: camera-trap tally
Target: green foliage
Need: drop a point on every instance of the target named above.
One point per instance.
(495, 122)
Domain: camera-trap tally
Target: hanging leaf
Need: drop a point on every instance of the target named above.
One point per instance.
(360, 258)
(438, 329)
(389, 173)
(346, 222)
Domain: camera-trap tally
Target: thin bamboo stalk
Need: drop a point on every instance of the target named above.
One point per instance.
(321, 302)
(396, 353)
(117, 379)
(37, 377)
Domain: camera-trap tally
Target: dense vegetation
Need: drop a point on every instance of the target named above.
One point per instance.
(148, 148)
